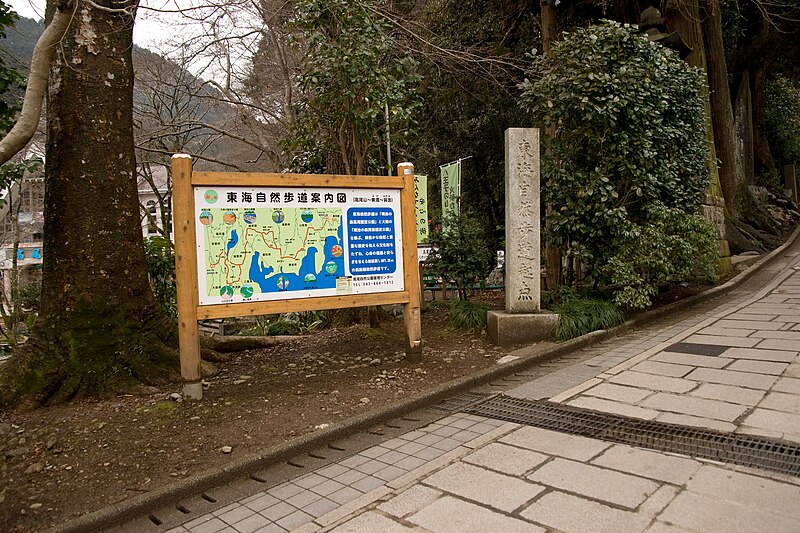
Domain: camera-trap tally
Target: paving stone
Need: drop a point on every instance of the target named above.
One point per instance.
(277, 511)
(699, 512)
(661, 527)
(389, 473)
(449, 515)
(371, 521)
(790, 385)
(720, 340)
(410, 501)
(568, 513)
(310, 480)
(744, 315)
(349, 477)
(662, 369)
(260, 501)
(430, 453)
(762, 354)
(758, 367)
(656, 383)
(649, 464)
(554, 443)
(727, 393)
(619, 408)
(506, 459)
(784, 335)
(690, 405)
(235, 515)
(445, 444)
(620, 393)
(213, 525)
(374, 452)
(750, 324)
(285, 490)
(659, 500)
(427, 439)
(330, 471)
(465, 436)
(696, 421)
(779, 344)
(746, 489)
(321, 506)
(410, 448)
(327, 487)
(367, 484)
(600, 483)
(729, 377)
(296, 519)
(303, 499)
(354, 461)
(691, 359)
(410, 463)
(344, 495)
(251, 524)
(370, 467)
(773, 420)
(727, 332)
(275, 528)
(502, 492)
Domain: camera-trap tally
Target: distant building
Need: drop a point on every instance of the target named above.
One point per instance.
(156, 200)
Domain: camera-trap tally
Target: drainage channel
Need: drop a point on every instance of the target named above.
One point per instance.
(745, 450)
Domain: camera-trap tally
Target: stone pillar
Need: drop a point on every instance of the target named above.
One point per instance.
(790, 181)
(522, 321)
(523, 255)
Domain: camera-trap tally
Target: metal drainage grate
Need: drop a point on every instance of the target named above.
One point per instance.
(460, 402)
(712, 350)
(743, 450)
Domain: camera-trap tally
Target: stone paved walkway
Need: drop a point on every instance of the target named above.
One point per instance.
(732, 366)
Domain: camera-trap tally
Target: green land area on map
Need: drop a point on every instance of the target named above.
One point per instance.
(270, 249)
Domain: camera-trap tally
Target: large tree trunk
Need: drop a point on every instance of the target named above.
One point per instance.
(731, 171)
(99, 328)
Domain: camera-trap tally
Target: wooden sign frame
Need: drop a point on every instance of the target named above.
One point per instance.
(186, 273)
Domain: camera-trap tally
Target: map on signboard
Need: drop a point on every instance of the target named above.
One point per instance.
(272, 250)
(267, 244)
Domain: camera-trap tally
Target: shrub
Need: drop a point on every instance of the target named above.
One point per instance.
(161, 270)
(460, 253)
(629, 141)
(782, 117)
(468, 315)
(581, 315)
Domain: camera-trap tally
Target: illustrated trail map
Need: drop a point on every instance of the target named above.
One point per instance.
(257, 244)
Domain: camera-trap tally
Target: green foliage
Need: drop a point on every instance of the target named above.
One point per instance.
(161, 269)
(670, 246)
(460, 253)
(350, 70)
(468, 315)
(579, 315)
(782, 119)
(297, 323)
(629, 141)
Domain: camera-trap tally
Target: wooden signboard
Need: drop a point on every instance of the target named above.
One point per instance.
(256, 244)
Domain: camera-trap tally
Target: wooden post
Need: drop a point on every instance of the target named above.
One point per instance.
(186, 276)
(411, 310)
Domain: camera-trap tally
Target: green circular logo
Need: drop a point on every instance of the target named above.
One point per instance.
(211, 196)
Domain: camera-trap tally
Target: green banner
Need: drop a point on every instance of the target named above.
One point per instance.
(451, 189)
(421, 196)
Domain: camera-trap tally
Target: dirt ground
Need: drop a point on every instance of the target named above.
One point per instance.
(64, 461)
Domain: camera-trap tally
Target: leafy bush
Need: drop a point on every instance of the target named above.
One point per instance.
(161, 269)
(468, 315)
(629, 141)
(581, 315)
(297, 323)
(460, 253)
(782, 117)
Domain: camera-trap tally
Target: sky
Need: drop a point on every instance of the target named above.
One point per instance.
(147, 32)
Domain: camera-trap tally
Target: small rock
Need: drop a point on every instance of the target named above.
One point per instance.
(35, 506)
(22, 450)
(51, 442)
(321, 426)
(5, 428)
(35, 468)
(239, 381)
(226, 449)
(175, 397)
(507, 359)
(375, 362)
(364, 400)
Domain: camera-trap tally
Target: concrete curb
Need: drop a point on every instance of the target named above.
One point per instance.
(172, 493)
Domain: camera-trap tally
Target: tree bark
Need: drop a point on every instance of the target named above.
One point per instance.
(731, 171)
(28, 120)
(100, 328)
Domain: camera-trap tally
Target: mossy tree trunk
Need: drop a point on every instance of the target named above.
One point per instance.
(99, 328)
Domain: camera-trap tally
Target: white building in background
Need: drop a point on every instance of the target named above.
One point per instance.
(155, 199)
(22, 221)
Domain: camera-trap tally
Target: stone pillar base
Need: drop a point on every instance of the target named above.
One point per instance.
(506, 329)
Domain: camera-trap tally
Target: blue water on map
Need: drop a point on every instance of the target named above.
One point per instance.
(271, 281)
(234, 240)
